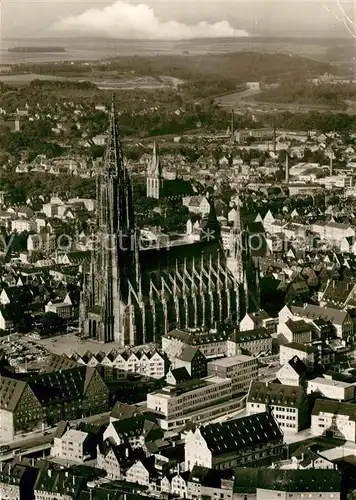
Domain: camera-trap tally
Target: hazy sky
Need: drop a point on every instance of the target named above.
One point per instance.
(171, 18)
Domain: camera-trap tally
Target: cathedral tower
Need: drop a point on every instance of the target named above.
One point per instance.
(113, 262)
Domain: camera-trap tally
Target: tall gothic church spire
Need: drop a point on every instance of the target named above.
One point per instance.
(113, 259)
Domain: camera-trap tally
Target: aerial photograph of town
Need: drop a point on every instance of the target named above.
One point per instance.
(178, 250)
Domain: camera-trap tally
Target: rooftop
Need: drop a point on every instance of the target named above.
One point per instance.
(232, 360)
(283, 395)
(228, 437)
(189, 386)
(335, 407)
(330, 382)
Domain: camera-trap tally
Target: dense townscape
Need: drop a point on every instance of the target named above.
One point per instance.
(177, 294)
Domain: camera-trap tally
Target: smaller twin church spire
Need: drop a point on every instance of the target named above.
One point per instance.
(154, 165)
(154, 175)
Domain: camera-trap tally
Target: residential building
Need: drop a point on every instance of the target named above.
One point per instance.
(332, 231)
(255, 320)
(292, 373)
(64, 309)
(335, 419)
(177, 376)
(204, 482)
(234, 443)
(308, 354)
(211, 343)
(179, 484)
(143, 472)
(58, 484)
(296, 331)
(273, 484)
(45, 399)
(41, 242)
(150, 363)
(6, 319)
(17, 481)
(193, 360)
(114, 460)
(288, 404)
(305, 458)
(23, 225)
(332, 389)
(136, 430)
(197, 205)
(340, 319)
(253, 342)
(240, 369)
(74, 445)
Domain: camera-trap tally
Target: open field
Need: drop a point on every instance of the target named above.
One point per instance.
(105, 83)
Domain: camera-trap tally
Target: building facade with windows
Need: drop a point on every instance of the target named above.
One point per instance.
(288, 404)
(334, 419)
(253, 342)
(240, 369)
(193, 401)
(332, 389)
(255, 440)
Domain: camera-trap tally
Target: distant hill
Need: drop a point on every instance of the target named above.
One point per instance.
(237, 67)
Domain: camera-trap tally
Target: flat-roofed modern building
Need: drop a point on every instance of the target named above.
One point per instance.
(332, 389)
(195, 401)
(240, 369)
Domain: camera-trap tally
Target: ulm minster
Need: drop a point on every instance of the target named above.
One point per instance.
(135, 294)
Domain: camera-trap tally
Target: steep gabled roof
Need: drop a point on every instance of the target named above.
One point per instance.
(278, 394)
(250, 335)
(227, 437)
(335, 407)
(11, 391)
(59, 362)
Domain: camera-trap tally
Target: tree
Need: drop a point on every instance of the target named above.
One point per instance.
(51, 323)
(23, 324)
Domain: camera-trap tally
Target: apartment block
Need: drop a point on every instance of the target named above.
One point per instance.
(332, 389)
(240, 369)
(335, 419)
(196, 400)
(253, 342)
(288, 404)
(254, 440)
